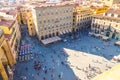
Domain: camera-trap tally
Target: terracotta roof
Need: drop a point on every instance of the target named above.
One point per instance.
(28, 16)
(10, 12)
(7, 23)
(37, 5)
(106, 17)
(114, 11)
(7, 36)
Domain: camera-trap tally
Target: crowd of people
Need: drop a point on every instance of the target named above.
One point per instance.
(37, 65)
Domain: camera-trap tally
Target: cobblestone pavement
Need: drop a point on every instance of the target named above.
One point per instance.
(52, 57)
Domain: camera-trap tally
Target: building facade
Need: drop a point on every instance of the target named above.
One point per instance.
(30, 23)
(108, 2)
(53, 19)
(82, 18)
(7, 59)
(107, 24)
(9, 24)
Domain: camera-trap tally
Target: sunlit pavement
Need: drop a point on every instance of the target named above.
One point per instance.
(52, 56)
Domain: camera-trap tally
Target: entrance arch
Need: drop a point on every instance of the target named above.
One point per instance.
(107, 34)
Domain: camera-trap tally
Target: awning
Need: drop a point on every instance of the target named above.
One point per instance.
(64, 32)
(51, 40)
(67, 31)
(61, 32)
(70, 30)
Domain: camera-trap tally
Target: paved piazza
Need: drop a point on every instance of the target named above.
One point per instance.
(64, 60)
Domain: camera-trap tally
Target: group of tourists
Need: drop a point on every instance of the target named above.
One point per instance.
(37, 65)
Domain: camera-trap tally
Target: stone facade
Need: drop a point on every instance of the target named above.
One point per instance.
(53, 20)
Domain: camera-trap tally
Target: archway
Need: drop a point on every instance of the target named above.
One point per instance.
(53, 34)
(107, 34)
(42, 37)
(49, 35)
(113, 36)
(57, 33)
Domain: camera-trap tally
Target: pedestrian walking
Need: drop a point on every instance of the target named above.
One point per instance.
(45, 78)
(52, 76)
(62, 62)
(46, 71)
(89, 66)
(26, 69)
(60, 75)
(43, 68)
(53, 69)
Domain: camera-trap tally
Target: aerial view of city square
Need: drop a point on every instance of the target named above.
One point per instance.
(59, 39)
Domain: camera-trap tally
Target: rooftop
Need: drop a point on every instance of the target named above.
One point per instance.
(37, 5)
(8, 36)
(107, 17)
(9, 12)
(82, 10)
(114, 11)
(96, 7)
(7, 23)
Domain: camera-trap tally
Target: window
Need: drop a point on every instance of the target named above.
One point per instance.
(119, 16)
(104, 22)
(30, 24)
(44, 21)
(105, 14)
(116, 25)
(40, 21)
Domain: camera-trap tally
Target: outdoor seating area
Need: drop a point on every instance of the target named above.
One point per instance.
(105, 38)
(51, 40)
(25, 53)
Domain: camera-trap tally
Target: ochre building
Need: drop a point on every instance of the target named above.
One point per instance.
(7, 59)
(82, 17)
(9, 24)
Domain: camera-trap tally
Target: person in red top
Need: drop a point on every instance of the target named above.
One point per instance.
(45, 78)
